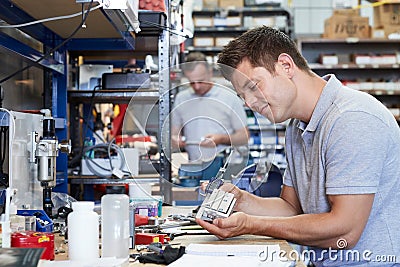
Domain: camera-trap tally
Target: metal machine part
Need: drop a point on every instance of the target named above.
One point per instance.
(218, 204)
(45, 153)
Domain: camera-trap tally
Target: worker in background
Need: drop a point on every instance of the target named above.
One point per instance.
(341, 185)
(206, 118)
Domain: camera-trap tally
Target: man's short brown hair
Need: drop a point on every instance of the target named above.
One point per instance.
(262, 47)
(193, 59)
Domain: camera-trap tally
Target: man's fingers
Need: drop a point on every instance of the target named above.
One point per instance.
(228, 187)
(208, 226)
(213, 228)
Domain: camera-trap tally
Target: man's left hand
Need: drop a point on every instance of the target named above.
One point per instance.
(237, 224)
(212, 140)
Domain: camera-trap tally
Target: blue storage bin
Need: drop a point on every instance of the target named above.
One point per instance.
(190, 174)
(270, 188)
(211, 168)
(43, 222)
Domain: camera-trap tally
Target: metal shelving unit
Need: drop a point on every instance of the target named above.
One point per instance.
(113, 96)
(234, 31)
(32, 44)
(160, 95)
(381, 80)
(99, 36)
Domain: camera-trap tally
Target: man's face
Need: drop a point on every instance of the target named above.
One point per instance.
(200, 79)
(270, 95)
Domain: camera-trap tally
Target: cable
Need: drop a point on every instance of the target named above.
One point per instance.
(380, 3)
(49, 19)
(79, 156)
(109, 153)
(104, 148)
(170, 29)
(51, 50)
(90, 128)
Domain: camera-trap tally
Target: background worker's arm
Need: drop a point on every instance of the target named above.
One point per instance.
(176, 139)
(239, 137)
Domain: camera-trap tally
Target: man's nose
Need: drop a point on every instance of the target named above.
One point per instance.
(196, 85)
(250, 101)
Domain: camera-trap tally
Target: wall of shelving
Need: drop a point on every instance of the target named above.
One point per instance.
(309, 15)
(215, 27)
(370, 65)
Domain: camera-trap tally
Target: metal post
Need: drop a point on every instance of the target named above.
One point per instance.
(164, 136)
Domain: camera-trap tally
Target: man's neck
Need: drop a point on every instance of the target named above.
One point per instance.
(309, 90)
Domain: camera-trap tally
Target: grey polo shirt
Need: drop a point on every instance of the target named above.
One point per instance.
(350, 146)
(219, 111)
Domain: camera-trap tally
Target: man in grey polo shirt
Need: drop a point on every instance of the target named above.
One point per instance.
(341, 191)
(206, 118)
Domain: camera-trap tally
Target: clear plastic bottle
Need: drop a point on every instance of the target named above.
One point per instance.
(115, 226)
(83, 232)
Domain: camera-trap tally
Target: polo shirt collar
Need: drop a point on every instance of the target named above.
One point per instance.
(213, 92)
(325, 100)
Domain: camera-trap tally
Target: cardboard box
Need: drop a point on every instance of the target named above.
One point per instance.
(220, 21)
(231, 3)
(210, 4)
(222, 41)
(233, 21)
(346, 12)
(362, 59)
(250, 21)
(203, 21)
(341, 26)
(264, 2)
(329, 59)
(203, 41)
(378, 33)
(387, 18)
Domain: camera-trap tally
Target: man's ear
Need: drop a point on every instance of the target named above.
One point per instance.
(287, 64)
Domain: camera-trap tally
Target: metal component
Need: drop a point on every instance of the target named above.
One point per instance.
(46, 151)
(32, 147)
(123, 15)
(47, 203)
(156, 221)
(28, 53)
(164, 112)
(219, 204)
(65, 146)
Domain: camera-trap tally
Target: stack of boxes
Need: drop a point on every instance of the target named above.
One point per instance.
(223, 3)
(228, 15)
(386, 19)
(347, 23)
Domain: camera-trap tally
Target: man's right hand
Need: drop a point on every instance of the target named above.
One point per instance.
(177, 142)
(238, 193)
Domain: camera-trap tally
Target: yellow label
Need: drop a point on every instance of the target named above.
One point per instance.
(43, 239)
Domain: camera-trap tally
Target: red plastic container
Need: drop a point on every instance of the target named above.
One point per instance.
(31, 239)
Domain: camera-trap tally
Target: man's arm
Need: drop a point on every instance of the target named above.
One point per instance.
(346, 220)
(238, 138)
(285, 205)
(176, 140)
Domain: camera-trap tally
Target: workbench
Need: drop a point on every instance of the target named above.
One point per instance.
(185, 240)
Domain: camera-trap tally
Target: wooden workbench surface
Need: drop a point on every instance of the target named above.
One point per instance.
(199, 239)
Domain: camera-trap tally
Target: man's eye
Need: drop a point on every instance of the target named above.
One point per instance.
(254, 86)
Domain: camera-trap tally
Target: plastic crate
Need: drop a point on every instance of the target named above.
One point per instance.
(43, 222)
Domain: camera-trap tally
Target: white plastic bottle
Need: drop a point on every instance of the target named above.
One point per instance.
(83, 232)
(115, 226)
